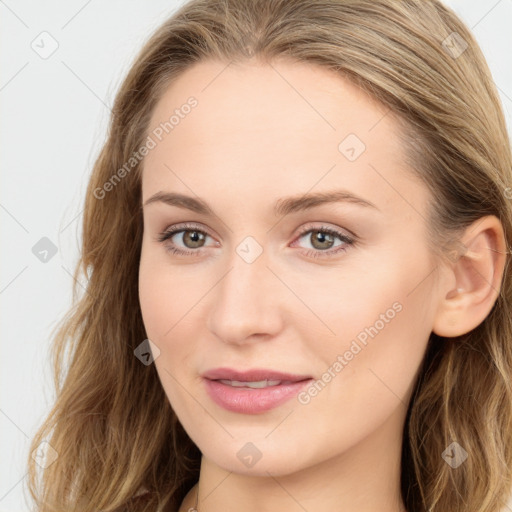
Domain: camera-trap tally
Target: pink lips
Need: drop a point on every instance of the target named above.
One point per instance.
(248, 400)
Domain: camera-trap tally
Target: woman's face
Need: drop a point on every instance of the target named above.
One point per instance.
(341, 291)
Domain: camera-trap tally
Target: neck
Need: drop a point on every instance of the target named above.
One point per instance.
(365, 478)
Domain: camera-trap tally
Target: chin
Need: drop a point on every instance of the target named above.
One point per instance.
(277, 465)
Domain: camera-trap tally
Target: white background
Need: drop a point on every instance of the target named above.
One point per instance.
(53, 122)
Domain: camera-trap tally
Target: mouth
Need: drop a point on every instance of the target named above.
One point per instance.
(259, 384)
(253, 391)
(253, 375)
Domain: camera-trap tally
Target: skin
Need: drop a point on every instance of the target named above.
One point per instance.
(260, 133)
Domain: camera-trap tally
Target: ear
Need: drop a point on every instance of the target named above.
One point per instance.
(473, 279)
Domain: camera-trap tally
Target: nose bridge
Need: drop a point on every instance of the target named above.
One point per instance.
(244, 303)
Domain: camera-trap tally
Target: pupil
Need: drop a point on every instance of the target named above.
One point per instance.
(193, 237)
(321, 238)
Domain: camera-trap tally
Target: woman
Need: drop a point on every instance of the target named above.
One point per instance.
(218, 362)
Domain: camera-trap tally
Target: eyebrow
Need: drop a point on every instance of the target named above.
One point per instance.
(282, 207)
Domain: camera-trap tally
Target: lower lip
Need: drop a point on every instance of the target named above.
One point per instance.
(252, 400)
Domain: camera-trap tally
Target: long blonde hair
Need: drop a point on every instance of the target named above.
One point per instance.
(112, 427)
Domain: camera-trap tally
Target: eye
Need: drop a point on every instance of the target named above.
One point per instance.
(192, 237)
(322, 240)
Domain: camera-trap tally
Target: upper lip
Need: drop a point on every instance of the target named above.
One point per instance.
(254, 375)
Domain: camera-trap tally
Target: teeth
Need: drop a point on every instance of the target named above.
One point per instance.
(256, 385)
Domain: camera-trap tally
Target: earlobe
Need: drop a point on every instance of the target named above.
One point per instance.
(478, 273)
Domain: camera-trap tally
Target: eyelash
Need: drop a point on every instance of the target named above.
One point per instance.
(314, 253)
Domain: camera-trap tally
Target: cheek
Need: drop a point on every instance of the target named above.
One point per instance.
(161, 300)
(382, 323)
(167, 307)
(378, 307)
(157, 295)
(150, 298)
(352, 304)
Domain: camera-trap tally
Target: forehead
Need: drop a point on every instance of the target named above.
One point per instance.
(277, 129)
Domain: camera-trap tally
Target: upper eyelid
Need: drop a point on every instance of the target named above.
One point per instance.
(178, 228)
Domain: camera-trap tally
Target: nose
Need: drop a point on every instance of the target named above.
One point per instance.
(246, 304)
